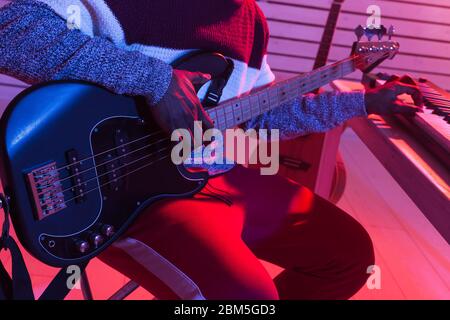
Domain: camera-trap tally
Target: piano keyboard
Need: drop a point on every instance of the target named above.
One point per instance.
(437, 99)
(414, 150)
(433, 125)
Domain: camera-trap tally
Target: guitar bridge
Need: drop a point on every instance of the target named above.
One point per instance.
(46, 190)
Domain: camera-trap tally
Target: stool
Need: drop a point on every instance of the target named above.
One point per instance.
(120, 294)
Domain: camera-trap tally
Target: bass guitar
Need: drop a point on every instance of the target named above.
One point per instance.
(78, 163)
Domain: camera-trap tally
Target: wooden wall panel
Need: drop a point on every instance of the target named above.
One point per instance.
(296, 27)
(422, 28)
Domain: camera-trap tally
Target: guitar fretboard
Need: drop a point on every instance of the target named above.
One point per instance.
(239, 110)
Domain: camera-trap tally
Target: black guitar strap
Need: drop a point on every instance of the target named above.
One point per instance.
(58, 288)
(18, 286)
(216, 87)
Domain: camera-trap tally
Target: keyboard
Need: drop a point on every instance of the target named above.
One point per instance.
(435, 120)
(432, 127)
(414, 150)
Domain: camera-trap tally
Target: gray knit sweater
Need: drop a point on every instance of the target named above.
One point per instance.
(36, 45)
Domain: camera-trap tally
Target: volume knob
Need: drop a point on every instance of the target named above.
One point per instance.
(107, 230)
(82, 246)
(96, 239)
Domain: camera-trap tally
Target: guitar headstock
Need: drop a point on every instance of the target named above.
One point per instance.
(370, 54)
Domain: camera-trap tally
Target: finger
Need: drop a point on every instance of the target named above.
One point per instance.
(393, 78)
(205, 118)
(198, 78)
(182, 119)
(196, 127)
(405, 108)
(189, 126)
(413, 91)
(408, 80)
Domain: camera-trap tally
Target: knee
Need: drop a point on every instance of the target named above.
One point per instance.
(246, 291)
(354, 259)
(360, 252)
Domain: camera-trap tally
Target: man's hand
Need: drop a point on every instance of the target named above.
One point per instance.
(384, 99)
(180, 106)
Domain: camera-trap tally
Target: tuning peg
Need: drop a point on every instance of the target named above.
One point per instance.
(391, 32)
(359, 32)
(381, 32)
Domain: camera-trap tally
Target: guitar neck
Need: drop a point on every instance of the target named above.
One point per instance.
(239, 110)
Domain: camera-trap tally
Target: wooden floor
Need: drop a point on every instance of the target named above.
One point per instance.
(414, 259)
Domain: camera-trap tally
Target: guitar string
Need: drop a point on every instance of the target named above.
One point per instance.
(112, 171)
(108, 161)
(118, 178)
(298, 147)
(109, 150)
(106, 173)
(103, 163)
(114, 159)
(138, 139)
(158, 132)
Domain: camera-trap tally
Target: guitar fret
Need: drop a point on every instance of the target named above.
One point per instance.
(263, 102)
(213, 115)
(273, 99)
(237, 109)
(248, 107)
(295, 86)
(229, 116)
(221, 124)
(303, 86)
(283, 94)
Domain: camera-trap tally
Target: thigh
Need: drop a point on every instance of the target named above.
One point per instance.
(191, 249)
(288, 224)
(324, 251)
(315, 235)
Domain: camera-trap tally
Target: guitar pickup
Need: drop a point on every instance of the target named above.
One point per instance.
(74, 167)
(121, 155)
(46, 189)
(121, 141)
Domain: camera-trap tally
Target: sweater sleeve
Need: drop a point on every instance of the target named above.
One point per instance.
(309, 113)
(36, 45)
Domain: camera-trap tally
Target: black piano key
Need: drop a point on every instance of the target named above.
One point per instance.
(441, 100)
(438, 112)
(438, 103)
(437, 109)
(441, 109)
(433, 107)
(445, 112)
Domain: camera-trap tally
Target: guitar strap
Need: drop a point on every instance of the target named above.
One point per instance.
(217, 85)
(18, 286)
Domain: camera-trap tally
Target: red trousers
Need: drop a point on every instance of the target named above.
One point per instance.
(204, 248)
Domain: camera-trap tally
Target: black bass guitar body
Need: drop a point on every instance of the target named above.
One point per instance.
(79, 163)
